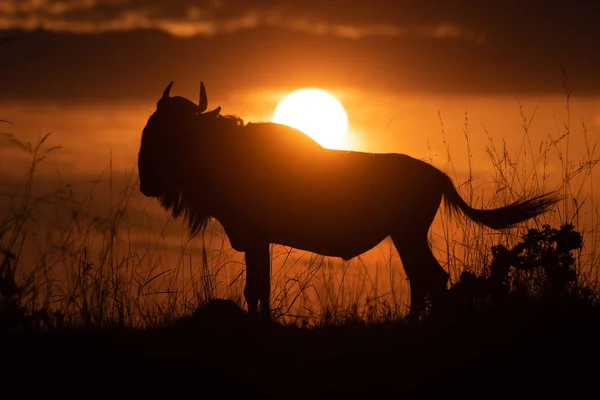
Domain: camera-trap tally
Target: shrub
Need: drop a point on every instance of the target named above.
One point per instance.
(540, 267)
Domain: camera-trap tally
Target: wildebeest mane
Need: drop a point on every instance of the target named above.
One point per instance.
(177, 198)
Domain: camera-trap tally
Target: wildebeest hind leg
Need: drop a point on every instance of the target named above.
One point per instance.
(425, 274)
(258, 280)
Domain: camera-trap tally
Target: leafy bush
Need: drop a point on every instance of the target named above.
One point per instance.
(541, 267)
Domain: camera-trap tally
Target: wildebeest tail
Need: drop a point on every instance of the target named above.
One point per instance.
(498, 218)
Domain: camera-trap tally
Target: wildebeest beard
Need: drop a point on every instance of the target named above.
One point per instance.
(195, 216)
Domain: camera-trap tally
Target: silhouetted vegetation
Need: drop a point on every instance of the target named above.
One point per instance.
(539, 268)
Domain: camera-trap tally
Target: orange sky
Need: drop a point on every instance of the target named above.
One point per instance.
(379, 122)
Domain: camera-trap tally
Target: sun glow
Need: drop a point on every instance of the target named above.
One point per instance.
(315, 112)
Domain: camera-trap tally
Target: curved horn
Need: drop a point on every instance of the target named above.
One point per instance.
(213, 113)
(203, 105)
(167, 91)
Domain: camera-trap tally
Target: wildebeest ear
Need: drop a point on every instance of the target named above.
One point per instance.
(213, 113)
(167, 91)
(203, 105)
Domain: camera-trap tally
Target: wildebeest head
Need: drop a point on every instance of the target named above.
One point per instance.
(165, 138)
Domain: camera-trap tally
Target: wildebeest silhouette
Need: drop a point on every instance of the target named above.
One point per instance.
(268, 183)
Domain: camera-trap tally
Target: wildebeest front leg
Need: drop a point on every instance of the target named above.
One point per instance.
(258, 280)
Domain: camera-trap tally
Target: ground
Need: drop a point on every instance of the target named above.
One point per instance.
(222, 350)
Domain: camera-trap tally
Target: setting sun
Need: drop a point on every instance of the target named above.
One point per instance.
(315, 112)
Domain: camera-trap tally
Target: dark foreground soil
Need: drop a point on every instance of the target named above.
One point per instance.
(221, 352)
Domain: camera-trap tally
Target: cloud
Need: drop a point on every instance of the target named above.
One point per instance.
(208, 18)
